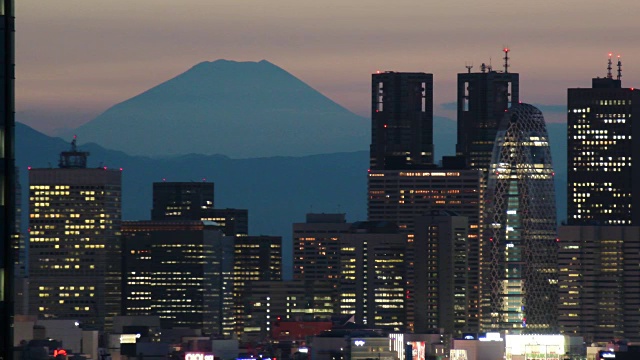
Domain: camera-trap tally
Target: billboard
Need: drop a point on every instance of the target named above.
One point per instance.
(418, 350)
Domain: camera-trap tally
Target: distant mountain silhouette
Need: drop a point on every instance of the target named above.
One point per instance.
(239, 109)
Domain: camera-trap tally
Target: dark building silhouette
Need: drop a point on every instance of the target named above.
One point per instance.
(442, 293)
(7, 175)
(602, 186)
(181, 200)
(74, 245)
(195, 201)
(179, 271)
(483, 97)
(402, 120)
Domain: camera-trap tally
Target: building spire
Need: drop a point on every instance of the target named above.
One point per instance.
(506, 59)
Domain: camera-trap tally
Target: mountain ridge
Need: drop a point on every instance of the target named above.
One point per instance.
(240, 109)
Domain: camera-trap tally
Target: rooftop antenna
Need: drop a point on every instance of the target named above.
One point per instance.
(483, 68)
(609, 63)
(619, 68)
(469, 66)
(506, 59)
(490, 67)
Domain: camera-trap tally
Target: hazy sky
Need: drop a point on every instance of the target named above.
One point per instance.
(76, 58)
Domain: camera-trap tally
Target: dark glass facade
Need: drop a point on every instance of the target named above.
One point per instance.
(482, 100)
(7, 175)
(402, 120)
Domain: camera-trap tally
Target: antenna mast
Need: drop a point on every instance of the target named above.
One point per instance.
(506, 59)
(619, 68)
(469, 66)
(609, 63)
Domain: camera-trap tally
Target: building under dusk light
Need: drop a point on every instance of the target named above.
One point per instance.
(401, 120)
(602, 185)
(520, 274)
(483, 97)
(74, 247)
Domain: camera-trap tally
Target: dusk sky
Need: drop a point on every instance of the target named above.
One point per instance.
(76, 58)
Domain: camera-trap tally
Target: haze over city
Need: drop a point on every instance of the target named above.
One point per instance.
(76, 58)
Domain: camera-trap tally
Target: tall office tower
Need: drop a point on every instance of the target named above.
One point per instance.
(181, 200)
(483, 97)
(521, 228)
(373, 280)
(401, 120)
(195, 201)
(74, 247)
(316, 252)
(256, 258)
(7, 175)
(602, 186)
(20, 294)
(176, 270)
(400, 196)
(441, 283)
(598, 276)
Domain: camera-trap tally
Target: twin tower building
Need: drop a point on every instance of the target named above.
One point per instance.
(482, 254)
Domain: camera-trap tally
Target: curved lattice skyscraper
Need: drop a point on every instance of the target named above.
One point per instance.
(520, 282)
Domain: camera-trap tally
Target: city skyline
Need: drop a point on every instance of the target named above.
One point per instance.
(121, 51)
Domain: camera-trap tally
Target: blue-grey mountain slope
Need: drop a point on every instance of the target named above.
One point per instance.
(239, 109)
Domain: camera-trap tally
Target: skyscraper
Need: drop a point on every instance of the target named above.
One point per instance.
(400, 196)
(256, 258)
(401, 120)
(521, 293)
(442, 290)
(598, 276)
(373, 280)
(179, 271)
(195, 201)
(602, 186)
(483, 97)
(74, 247)
(7, 175)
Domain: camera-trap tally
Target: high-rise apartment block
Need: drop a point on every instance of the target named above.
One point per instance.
(598, 276)
(483, 97)
(401, 120)
(602, 186)
(520, 270)
(179, 271)
(74, 247)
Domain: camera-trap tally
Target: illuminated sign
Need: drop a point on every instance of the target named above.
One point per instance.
(197, 356)
(303, 350)
(129, 338)
(418, 350)
(359, 343)
(607, 355)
